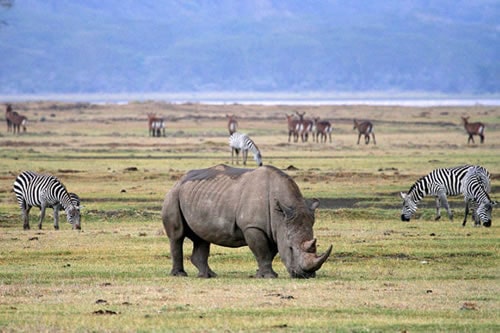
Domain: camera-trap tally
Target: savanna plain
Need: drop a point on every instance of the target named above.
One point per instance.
(383, 275)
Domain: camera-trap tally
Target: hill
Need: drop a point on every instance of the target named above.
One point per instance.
(173, 46)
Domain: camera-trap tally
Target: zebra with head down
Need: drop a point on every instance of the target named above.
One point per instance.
(242, 142)
(440, 183)
(475, 187)
(45, 191)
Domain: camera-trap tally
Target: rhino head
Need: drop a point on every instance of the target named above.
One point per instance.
(295, 240)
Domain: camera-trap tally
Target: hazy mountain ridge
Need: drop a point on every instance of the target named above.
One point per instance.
(128, 46)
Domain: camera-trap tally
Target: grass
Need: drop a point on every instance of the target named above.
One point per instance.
(383, 275)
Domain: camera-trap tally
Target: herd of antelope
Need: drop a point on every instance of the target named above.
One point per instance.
(298, 127)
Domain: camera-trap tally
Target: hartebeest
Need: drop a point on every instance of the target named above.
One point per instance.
(8, 111)
(472, 129)
(232, 123)
(305, 126)
(323, 128)
(293, 127)
(365, 128)
(15, 120)
(156, 125)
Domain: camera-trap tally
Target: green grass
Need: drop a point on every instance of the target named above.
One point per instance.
(113, 276)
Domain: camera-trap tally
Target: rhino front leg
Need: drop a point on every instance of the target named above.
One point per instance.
(259, 244)
(199, 258)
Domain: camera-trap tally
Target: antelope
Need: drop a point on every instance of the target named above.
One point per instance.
(232, 123)
(306, 126)
(15, 120)
(472, 129)
(323, 128)
(365, 128)
(8, 112)
(293, 127)
(155, 125)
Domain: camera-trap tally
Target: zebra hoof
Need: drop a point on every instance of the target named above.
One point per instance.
(437, 218)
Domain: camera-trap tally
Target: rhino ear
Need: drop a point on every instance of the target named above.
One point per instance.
(287, 212)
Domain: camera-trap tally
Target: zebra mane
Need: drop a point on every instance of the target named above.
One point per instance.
(416, 189)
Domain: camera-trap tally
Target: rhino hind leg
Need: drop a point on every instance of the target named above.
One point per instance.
(199, 258)
(177, 257)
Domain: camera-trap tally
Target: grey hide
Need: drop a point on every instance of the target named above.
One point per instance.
(261, 208)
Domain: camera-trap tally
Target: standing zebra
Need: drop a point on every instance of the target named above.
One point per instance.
(473, 129)
(365, 128)
(475, 187)
(43, 191)
(439, 183)
(239, 141)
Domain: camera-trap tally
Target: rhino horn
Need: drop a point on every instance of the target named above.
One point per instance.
(310, 246)
(313, 262)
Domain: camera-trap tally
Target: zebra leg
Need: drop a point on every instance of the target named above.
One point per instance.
(444, 200)
(438, 209)
(26, 218)
(56, 217)
(466, 212)
(42, 216)
(244, 156)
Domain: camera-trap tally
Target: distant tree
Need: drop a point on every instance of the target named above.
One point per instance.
(6, 4)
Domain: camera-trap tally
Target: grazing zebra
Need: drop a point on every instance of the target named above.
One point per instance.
(323, 128)
(365, 128)
(475, 187)
(239, 141)
(439, 183)
(232, 124)
(43, 191)
(473, 129)
(293, 127)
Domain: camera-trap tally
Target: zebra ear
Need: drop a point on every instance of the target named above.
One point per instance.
(403, 195)
(494, 203)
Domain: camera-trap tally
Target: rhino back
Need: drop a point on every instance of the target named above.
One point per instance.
(210, 201)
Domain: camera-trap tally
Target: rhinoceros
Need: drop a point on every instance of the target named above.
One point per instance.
(232, 207)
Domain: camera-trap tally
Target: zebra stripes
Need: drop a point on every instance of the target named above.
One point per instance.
(43, 191)
(475, 187)
(239, 141)
(442, 183)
